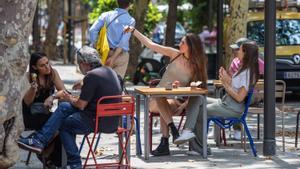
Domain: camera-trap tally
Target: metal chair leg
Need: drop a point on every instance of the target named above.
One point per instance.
(243, 138)
(28, 158)
(180, 123)
(297, 129)
(224, 137)
(82, 143)
(150, 130)
(283, 133)
(258, 126)
(217, 131)
(138, 135)
(97, 142)
(44, 162)
(250, 139)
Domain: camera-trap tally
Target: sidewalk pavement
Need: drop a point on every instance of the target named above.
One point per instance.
(230, 156)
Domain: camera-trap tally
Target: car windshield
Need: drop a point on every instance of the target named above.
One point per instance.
(287, 32)
(162, 28)
(159, 33)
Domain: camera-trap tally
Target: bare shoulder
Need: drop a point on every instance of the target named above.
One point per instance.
(176, 53)
(55, 71)
(56, 74)
(172, 52)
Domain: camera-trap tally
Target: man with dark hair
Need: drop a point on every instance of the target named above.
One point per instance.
(124, 3)
(115, 20)
(76, 116)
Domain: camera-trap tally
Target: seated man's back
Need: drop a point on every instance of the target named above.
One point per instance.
(97, 83)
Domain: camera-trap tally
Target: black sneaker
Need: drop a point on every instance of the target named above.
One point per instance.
(31, 144)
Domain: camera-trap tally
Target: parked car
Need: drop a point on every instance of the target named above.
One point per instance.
(160, 31)
(287, 44)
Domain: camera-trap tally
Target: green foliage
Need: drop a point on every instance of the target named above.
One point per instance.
(193, 19)
(194, 15)
(152, 16)
(102, 6)
(91, 3)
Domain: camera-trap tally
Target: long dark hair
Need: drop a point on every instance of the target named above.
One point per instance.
(34, 58)
(250, 61)
(197, 58)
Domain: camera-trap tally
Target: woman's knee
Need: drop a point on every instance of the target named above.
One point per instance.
(64, 106)
(213, 110)
(211, 100)
(153, 106)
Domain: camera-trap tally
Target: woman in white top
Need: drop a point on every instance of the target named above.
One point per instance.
(236, 87)
(187, 64)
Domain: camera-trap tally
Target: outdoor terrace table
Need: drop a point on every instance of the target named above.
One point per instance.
(162, 92)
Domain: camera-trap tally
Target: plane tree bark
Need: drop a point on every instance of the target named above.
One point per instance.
(171, 23)
(16, 25)
(54, 8)
(236, 26)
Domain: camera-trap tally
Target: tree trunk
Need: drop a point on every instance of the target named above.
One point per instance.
(36, 31)
(237, 26)
(84, 23)
(171, 23)
(16, 25)
(139, 13)
(210, 14)
(199, 14)
(51, 33)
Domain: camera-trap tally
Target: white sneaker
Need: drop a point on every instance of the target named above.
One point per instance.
(210, 134)
(237, 135)
(185, 136)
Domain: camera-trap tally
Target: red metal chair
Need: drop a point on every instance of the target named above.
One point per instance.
(123, 108)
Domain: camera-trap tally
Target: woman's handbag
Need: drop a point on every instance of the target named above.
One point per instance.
(38, 108)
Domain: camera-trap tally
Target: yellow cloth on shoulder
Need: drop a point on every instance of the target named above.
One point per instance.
(102, 45)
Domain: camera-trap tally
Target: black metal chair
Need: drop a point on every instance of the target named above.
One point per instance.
(297, 129)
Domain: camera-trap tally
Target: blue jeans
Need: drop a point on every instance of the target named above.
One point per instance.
(69, 122)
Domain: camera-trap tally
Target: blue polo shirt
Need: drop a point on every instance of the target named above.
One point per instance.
(115, 32)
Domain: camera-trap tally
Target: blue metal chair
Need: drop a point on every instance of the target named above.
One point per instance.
(226, 123)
